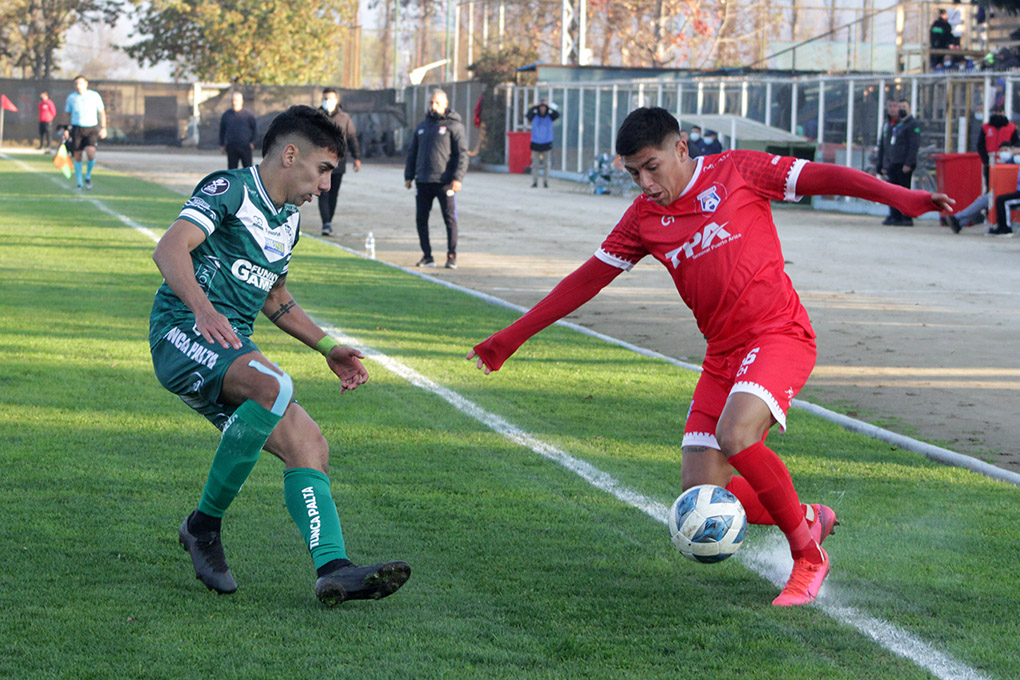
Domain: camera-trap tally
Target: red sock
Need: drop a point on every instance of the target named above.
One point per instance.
(766, 474)
(756, 512)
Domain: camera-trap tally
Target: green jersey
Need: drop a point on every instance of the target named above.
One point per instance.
(247, 248)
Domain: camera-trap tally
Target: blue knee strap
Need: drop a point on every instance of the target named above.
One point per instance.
(286, 387)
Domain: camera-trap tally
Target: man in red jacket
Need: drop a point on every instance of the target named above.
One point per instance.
(709, 222)
(47, 112)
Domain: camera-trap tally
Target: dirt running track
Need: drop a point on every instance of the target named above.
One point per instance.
(918, 329)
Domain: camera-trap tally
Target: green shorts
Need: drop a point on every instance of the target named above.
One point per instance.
(193, 369)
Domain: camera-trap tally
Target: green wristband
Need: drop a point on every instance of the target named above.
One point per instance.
(325, 345)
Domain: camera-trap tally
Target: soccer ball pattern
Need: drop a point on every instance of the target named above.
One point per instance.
(707, 523)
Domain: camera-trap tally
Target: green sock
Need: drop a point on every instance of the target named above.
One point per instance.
(310, 503)
(243, 438)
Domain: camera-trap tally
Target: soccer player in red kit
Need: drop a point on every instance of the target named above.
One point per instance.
(709, 222)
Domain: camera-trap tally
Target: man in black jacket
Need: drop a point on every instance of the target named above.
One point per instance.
(897, 153)
(238, 131)
(941, 37)
(327, 200)
(436, 161)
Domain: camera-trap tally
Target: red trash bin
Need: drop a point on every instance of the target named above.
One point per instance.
(958, 175)
(519, 156)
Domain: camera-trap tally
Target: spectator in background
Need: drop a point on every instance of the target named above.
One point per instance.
(1004, 203)
(940, 38)
(88, 126)
(437, 159)
(976, 212)
(327, 200)
(711, 143)
(541, 116)
(238, 131)
(897, 153)
(995, 134)
(695, 144)
(47, 112)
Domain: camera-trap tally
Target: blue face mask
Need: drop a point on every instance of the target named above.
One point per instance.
(695, 136)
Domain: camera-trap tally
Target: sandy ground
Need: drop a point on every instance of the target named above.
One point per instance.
(917, 328)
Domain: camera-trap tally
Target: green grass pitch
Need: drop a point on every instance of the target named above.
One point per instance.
(521, 568)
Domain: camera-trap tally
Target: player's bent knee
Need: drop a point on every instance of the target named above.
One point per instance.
(286, 384)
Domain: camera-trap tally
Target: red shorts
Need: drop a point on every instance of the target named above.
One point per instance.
(773, 368)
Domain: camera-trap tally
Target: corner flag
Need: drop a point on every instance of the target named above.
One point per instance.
(5, 105)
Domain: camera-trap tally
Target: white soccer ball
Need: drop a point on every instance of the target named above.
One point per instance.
(707, 523)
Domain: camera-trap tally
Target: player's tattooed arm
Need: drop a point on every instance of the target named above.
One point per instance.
(282, 309)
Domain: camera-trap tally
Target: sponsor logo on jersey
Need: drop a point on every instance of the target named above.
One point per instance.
(254, 275)
(711, 237)
(216, 187)
(199, 203)
(274, 246)
(191, 349)
(667, 220)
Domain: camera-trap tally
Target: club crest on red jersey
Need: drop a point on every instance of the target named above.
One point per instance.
(709, 199)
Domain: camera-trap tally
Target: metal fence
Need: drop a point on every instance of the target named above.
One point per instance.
(841, 115)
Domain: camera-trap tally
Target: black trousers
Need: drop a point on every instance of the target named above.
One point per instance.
(327, 201)
(1002, 210)
(238, 153)
(897, 176)
(44, 135)
(424, 195)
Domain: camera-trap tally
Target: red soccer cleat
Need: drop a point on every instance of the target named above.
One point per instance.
(805, 582)
(821, 521)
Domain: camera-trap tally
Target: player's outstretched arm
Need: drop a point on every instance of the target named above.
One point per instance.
(572, 292)
(283, 311)
(173, 257)
(827, 179)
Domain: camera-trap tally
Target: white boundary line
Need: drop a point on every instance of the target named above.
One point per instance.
(935, 453)
(887, 635)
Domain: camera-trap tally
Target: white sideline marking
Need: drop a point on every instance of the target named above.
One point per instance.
(763, 561)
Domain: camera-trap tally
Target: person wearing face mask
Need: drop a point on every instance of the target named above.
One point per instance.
(695, 146)
(711, 143)
(897, 153)
(327, 200)
(995, 134)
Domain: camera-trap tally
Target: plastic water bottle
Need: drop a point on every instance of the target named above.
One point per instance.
(370, 246)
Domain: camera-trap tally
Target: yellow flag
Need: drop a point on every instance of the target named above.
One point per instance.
(62, 161)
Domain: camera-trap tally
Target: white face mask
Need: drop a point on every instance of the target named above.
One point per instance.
(329, 104)
(1005, 157)
(695, 136)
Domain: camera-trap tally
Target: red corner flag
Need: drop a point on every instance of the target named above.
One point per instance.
(6, 104)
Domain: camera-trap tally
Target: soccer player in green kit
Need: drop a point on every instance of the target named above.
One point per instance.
(224, 260)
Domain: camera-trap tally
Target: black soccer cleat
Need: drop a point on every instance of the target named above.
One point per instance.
(208, 559)
(351, 582)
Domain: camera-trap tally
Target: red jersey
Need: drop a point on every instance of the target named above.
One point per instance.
(719, 243)
(47, 111)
